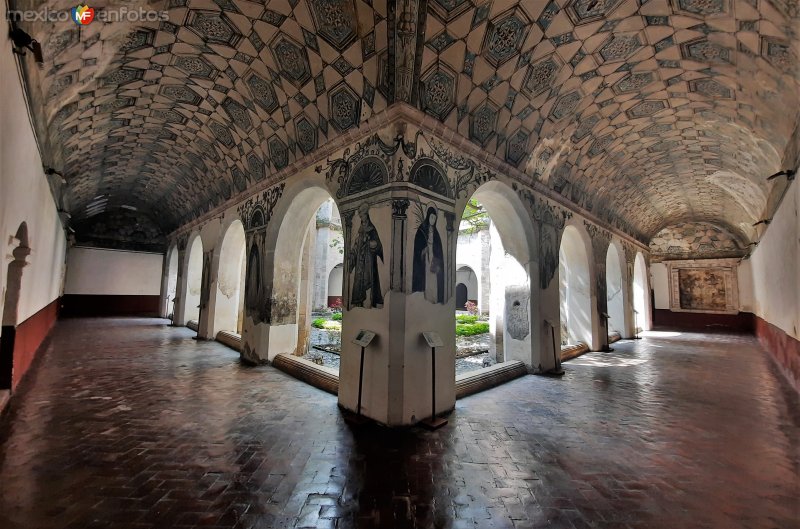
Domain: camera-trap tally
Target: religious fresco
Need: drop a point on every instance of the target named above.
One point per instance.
(205, 281)
(707, 285)
(428, 271)
(366, 250)
(255, 215)
(551, 220)
(702, 289)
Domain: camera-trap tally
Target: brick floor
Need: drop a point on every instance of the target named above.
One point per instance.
(131, 424)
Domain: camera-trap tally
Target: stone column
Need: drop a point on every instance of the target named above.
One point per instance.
(208, 294)
(386, 233)
(179, 316)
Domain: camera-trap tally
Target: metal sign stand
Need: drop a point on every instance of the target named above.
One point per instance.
(433, 422)
(362, 339)
(607, 346)
(636, 325)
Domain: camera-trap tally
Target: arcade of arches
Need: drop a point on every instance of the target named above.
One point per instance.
(328, 188)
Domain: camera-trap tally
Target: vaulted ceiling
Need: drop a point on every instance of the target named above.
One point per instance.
(651, 114)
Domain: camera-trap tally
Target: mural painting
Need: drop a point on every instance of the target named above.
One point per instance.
(517, 301)
(428, 269)
(205, 282)
(256, 214)
(702, 289)
(367, 249)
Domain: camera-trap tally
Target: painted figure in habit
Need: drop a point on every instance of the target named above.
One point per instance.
(366, 251)
(428, 271)
(253, 279)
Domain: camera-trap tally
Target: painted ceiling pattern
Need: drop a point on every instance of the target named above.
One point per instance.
(695, 240)
(176, 116)
(648, 113)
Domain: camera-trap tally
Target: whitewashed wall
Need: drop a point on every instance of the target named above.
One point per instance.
(774, 268)
(25, 196)
(98, 271)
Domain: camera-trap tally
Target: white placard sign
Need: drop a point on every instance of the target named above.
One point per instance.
(363, 338)
(433, 339)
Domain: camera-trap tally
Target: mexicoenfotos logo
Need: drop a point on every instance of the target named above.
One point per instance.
(82, 14)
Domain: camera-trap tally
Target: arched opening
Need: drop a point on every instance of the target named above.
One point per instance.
(574, 289)
(194, 279)
(304, 273)
(466, 286)
(10, 305)
(615, 302)
(172, 283)
(641, 295)
(229, 303)
(494, 239)
(335, 281)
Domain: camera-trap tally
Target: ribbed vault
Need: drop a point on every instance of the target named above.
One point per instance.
(650, 115)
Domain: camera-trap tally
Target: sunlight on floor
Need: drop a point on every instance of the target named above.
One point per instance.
(605, 360)
(660, 334)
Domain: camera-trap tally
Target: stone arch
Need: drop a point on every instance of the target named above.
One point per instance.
(21, 250)
(335, 285)
(285, 249)
(616, 294)
(641, 294)
(510, 306)
(194, 278)
(229, 301)
(576, 287)
(466, 276)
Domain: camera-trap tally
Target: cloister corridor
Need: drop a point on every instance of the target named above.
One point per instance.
(130, 423)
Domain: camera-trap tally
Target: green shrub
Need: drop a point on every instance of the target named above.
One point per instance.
(319, 323)
(471, 329)
(466, 318)
(336, 316)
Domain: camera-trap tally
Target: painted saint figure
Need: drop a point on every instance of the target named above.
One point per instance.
(364, 262)
(428, 271)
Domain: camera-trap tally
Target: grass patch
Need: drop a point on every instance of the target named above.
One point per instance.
(466, 318)
(336, 316)
(328, 325)
(471, 329)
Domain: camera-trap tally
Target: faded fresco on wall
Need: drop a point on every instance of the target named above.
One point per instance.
(702, 289)
(255, 215)
(367, 249)
(517, 301)
(429, 266)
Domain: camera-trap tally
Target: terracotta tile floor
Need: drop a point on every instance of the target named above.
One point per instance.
(132, 424)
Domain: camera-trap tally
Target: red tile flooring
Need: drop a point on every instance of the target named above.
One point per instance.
(128, 423)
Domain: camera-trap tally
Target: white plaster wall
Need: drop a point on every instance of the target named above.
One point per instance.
(25, 197)
(659, 279)
(775, 272)
(469, 252)
(100, 271)
(614, 294)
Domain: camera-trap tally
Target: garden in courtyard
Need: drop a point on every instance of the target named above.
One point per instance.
(471, 329)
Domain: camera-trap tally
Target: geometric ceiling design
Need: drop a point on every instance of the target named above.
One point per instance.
(650, 114)
(647, 114)
(695, 240)
(173, 117)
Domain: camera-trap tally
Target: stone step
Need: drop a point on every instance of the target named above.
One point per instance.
(488, 377)
(321, 377)
(231, 339)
